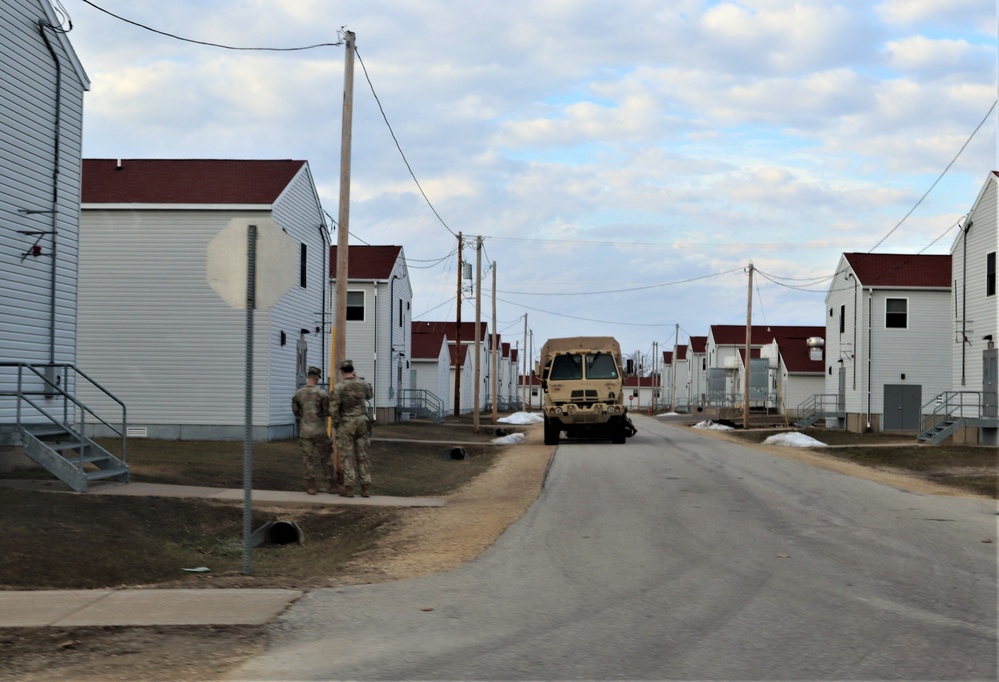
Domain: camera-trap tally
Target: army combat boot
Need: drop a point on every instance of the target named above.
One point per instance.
(365, 490)
(310, 486)
(347, 491)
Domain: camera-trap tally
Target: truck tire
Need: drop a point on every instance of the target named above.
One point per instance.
(618, 434)
(551, 433)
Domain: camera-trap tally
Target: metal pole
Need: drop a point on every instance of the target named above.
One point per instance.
(749, 340)
(495, 363)
(478, 332)
(251, 296)
(457, 338)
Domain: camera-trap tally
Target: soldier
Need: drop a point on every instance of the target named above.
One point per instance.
(311, 405)
(349, 411)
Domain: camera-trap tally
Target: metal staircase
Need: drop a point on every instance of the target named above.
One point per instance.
(50, 425)
(950, 411)
(819, 406)
(421, 403)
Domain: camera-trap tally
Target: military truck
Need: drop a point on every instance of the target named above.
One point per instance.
(582, 380)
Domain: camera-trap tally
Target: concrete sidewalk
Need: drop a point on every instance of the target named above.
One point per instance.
(77, 608)
(136, 607)
(290, 498)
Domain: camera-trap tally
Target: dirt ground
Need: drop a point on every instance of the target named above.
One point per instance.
(422, 542)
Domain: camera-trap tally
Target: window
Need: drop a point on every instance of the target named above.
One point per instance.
(355, 306)
(896, 313)
(842, 319)
(566, 368)
(400, 312)
(600, 366)
(303, 261)
(990, 274)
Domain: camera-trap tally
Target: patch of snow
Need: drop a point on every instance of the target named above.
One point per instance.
(708, 424)
(522, 418)
(794, 440)
(512, 439)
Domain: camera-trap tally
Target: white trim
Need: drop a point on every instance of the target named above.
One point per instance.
(175, 207)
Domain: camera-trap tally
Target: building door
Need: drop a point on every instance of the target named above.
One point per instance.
(990, 375)
(902, 405)
(841, 393)
(716, 385)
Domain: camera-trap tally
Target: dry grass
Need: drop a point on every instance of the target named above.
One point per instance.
(69, 541)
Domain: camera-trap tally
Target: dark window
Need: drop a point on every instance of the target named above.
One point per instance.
(400, 312)
(990, 274)
(303, 261)
(566, 367)
(355, 306)
(600, 366)
(842, 319)
(896, 313)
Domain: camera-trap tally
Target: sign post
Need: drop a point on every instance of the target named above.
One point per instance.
(245, 283)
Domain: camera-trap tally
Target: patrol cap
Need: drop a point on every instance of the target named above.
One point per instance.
(347, 366)
(315, 371)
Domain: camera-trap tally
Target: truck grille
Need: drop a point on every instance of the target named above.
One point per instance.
(585, 396)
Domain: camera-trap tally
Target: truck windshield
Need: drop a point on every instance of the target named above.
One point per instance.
(600, 366)
(566, 367)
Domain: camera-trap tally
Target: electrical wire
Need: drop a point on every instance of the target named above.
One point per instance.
(397, 145)
(583, 319)
(202, 42)
(940, 177)
(620, 291)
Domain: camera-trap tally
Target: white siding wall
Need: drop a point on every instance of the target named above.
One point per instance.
(166, 344)
(982, 311)
(846, 297)
(922, 352)
(28, 146)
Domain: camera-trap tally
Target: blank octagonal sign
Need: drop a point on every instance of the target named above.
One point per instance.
(276, 263)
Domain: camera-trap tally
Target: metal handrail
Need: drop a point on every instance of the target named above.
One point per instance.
(421, 398)
(819, 402)
(54, 388)
(955, 404)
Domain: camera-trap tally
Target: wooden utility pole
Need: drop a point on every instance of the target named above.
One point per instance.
(476, 394)
(676, 349)
(457, 339)
(526, 369)
(749, 341)
(495, 364)
(343, 235)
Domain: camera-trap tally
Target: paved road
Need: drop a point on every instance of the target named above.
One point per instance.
(685, 557)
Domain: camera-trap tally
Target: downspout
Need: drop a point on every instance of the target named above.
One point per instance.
(56, 153)
(964, 304)
(374, 361)
(870, 337)
(325, 280)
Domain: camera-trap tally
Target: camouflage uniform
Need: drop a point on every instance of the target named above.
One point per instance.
(311, 405)
(350, 419)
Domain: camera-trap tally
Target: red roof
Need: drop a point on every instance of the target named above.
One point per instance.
(451, 329)
(793, 345)
(667, 357)
(681, 353)
(463, 353)
(735, 334)
(901, 269)
(699, 344)
(426, 346)
(367, 262)
(185, 181)
(638, 382)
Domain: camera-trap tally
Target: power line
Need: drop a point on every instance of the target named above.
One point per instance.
(619, 291)
(398, 146)
(583, 319)
(940, 177)
(209, 44)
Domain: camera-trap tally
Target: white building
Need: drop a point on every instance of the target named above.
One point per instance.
(379, 322)
(888, 338)
(430, 374)
(41, 116)
(152, 327)
(976, 319)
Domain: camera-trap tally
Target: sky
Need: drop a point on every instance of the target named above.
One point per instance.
(623, 162)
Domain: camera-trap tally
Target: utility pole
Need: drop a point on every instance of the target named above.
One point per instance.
(530, 360)
(526, 377)
(478, 343)
(457, 340)
(749, 341)
(672, 392)
(495, 368)
(343, 234)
